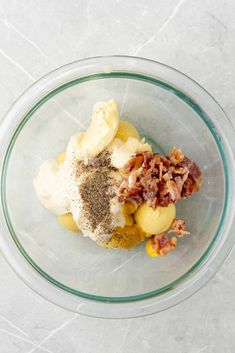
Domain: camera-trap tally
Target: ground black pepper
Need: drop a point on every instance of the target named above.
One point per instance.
(95, 191)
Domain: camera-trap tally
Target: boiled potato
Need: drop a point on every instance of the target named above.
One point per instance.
(126, 130)
(61, 157)
(125, 237)
(68, 222)
(155, 221)
(129, 220)
(128, 208)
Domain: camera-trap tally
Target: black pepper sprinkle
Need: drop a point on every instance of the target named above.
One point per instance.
(95, 191)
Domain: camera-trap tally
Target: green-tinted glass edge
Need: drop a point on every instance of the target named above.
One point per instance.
(135, 76)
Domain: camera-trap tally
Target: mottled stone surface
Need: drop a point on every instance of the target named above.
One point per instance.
(196, 37)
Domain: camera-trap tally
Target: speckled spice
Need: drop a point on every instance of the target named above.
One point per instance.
(95, 191)
(95, 194)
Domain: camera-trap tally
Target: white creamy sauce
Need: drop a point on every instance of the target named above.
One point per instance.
(50, 185)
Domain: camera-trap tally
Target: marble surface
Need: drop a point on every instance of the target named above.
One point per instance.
(196, 37)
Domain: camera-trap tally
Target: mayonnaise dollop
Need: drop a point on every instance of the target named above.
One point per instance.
(50, 185)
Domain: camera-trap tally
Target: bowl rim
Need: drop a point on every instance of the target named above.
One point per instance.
(225, 153)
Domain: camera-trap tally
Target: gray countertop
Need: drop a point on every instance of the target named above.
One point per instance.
(196, 37)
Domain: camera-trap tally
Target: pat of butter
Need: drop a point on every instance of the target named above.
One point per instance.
(100, 133)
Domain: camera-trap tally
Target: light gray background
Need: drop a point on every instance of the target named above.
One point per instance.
(196, 37)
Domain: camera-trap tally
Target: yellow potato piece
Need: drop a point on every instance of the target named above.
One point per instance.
(150, 250)
(155, 221)
(61, 157)
(126, 237)
(68, 222)
(129, 220)
(126, 130)
(128, 208)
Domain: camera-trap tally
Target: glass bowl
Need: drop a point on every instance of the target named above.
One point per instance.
(169, 109)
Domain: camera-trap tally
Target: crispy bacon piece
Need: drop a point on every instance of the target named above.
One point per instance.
(173, 190)
(178, 227)
(160, 180)
(135, 162)
(176, 156)
(162, 243)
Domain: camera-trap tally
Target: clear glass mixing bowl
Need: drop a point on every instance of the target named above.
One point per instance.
(169, 109)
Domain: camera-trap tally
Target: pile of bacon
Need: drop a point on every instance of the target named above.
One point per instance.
(159, 181)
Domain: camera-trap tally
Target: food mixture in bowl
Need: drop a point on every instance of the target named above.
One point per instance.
(111, 186)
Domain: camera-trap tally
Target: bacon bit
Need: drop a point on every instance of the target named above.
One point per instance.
(179, 183)
(160, 180)
(134, 163)
(163, 240)
(176, 156)
(146, 159)
(160, 170)
(132, 180)
(167, 176)
(155, 243)
(189, 187)
(180, 170)
(192, 168)
(135, 199)
(173, 190)
(178, 227)
(162, 244)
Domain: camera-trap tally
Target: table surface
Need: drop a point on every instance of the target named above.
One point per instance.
(196, 37)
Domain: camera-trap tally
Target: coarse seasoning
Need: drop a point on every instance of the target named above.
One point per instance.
(95, 191)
